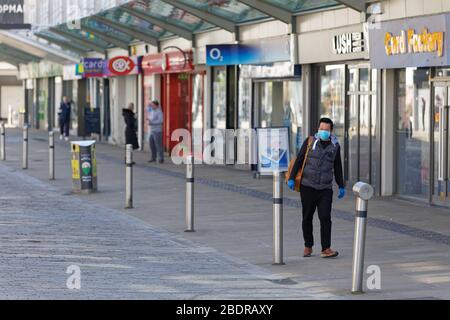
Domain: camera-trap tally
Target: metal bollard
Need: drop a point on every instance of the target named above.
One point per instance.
(51, 155)
(277, 219)
(190, 194)
(25, 147)
(364, 192)
(2, 142)
(129, 177)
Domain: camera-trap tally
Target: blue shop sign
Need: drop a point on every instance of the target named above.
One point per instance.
(264, 51)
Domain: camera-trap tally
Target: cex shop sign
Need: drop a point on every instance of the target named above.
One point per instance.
(118, 66)
(121, 66)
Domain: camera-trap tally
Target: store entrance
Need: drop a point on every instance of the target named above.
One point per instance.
(441, 141)
(278, 103)
(177, 105)
(361, 124)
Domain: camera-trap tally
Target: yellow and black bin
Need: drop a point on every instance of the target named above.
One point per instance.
(84, 167)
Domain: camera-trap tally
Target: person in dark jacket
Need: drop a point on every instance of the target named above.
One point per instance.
(131, 126)
(64, 113)
(316, 189)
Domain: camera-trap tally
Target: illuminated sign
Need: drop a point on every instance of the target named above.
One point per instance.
(409, 42)
(412, 42)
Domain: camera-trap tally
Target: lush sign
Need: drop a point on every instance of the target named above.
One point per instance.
(346, 43)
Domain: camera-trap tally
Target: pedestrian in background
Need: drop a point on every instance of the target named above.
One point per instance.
(320, 159)
(131, 126)
(155, 118)
(65, 110)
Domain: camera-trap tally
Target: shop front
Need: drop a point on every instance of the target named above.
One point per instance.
(111, 85)
(345, 88)
(44, 81)
(70, 89)
(255, 85)
(415, 50)
(172, 77)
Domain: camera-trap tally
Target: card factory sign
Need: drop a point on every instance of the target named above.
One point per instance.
(12, 14)
(416, 42)
(351, 42)
(409, 42)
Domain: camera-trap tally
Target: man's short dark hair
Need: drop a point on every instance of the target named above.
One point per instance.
(327, 121)
(156, 103)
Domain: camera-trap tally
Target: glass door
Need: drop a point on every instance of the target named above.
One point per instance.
(441, 190)
(361, 157)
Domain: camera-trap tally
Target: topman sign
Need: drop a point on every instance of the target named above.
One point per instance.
(12, 15)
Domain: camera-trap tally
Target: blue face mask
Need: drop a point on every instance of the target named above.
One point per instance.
(324, 135)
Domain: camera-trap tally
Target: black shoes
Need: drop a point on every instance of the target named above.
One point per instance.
(153, 161)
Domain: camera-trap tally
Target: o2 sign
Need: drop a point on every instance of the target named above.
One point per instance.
(121, 66)
(216, 54)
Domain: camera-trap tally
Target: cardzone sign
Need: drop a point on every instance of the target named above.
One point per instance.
(12, 15)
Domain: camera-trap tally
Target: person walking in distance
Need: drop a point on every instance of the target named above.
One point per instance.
(64, 114)
(131, 126)
(320, 160)
(155, 122)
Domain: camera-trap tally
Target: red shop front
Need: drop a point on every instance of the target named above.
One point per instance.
(177, 75)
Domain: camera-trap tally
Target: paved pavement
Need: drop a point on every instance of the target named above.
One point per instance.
(409, 242)
(43, 233)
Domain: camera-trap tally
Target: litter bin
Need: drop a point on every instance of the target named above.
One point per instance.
(84, 167)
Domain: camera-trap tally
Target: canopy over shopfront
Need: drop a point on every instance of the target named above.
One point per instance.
(152, 21)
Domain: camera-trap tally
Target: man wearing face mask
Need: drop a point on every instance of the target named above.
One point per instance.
(323, 161)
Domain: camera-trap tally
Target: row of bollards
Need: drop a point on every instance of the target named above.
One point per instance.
(363, 192)
(25, 140)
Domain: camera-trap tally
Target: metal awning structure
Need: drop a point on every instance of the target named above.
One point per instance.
(358, 5)
(152, 21)
(19, 48)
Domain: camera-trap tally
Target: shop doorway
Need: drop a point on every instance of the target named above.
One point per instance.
(106, 109)
(177, 105)
(362, 123)
(441, 143)
(278, 103)
(348, 94)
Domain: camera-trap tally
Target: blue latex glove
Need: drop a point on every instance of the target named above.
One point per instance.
(291, 184)
(341, 193)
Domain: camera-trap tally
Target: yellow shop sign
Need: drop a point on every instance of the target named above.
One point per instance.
(410, 42)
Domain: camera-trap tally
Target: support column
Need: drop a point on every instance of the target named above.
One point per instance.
(388, 134)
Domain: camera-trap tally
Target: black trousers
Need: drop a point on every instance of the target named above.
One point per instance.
(64, 127)
(321, 200)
